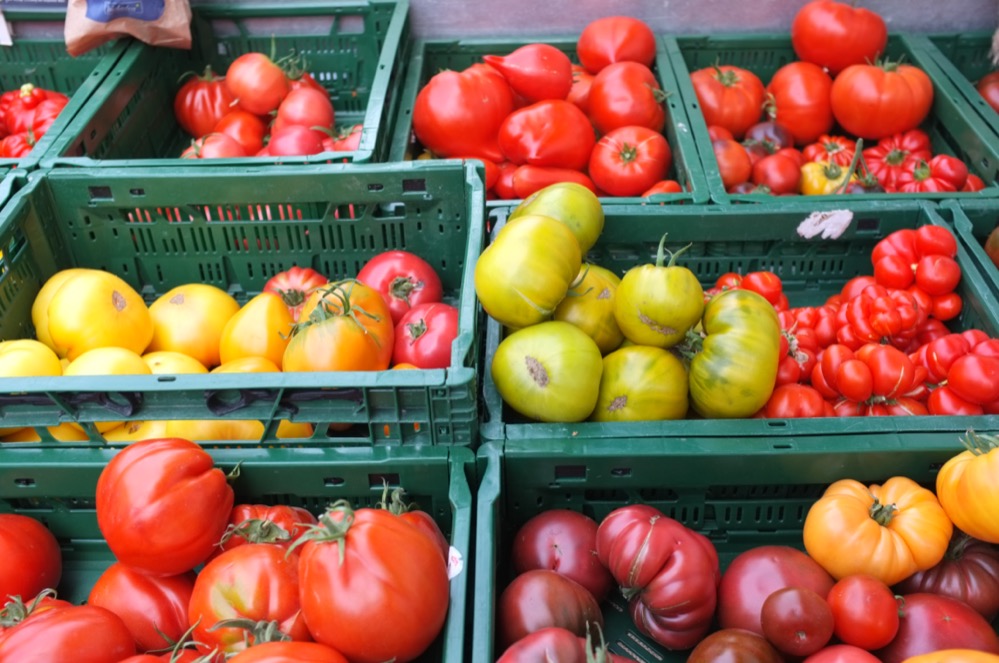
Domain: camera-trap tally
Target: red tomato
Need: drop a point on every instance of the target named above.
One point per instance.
(988, 87)
(615, 39)
(529, 179)
(257, 83)
(941, 173)
(348, 139)
(535, 71)
(836, 35)
(716, 132)
(558, 644)
(864, 610)
(832, 149)
(294, 140)
(288, 652)
(303, 79)
(889, 157)
(460, 113)
(553, 133)
(734, 645)
(16, 611)
(876, 101)
(424, 335)
(626, 94)
(16, 146)
(842, 654)
(309, 107)
(734, 164)
(214, 146)
(351, 569)
(579, 94)
(800, 93)
(968, 572)
(757, 573)
(930, 622)
(31, 554)
(246, 128)
(157, 481)
(973, 183)
(294, 285)
(279, 524)
(541, 598)
(629, 160)
(154, 609)
(201, 102)
(504, 181)
(404, 280)
(793, 400)
(797, 621)
(729, 96)
(564, 541)
(91, 633)
(975, 378)
(663, 186)
(780, 173)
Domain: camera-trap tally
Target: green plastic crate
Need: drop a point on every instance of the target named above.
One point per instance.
(972, 221)
(356, 50)
(431, 56)
(38, 56)
(58, 490)
(964, 59)
(954, 128)
(743, 239)
(738, 498)
(161, 228)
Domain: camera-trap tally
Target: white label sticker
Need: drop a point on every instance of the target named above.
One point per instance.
(455, 563)
(830, 225)
(5, 39)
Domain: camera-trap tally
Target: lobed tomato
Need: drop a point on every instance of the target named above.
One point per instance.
(201, 102)
(615, 39)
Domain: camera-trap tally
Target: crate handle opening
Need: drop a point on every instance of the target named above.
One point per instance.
(379, 481)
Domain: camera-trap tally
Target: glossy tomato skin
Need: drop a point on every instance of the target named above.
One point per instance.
(592, 307)
(615, 39)
(842, 654)
(246, 128)
(289, 652)
(797, 621)
(865, 611)
(734, 164)
(626, 94)
(758, 572)
(801, 100)
(988, 87)
(159, 481)
(91, 633)
(31, 554)
(404, 280)
(968, 572)
(629, 160)
(835, 34)
(874, 102)
(294, 285)
(425, 334)
(201, 102)
(214, 146)
(730, 97)
(309, 107)
(930, 622)
(552, 133)
(564, 541)
(734, 645)
(280, 524)
(527, 180)
(535, 71)
(642, 383)
(257, 83)
(542, 598)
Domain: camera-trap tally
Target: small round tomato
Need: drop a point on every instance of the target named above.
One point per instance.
(865, 611)
(734, 164)
(403, 279)
(424, 335)
(797, 621)
(629, 160)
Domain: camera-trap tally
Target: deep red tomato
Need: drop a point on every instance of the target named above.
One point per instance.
(503, 188)
(799, 98)
(552, 133)
(158, 481)
(734, 645)
(424, 335)
(789, 401)
(988, 87)
(288, 652)
(246, 128)
(778, 172)
(16, 146)
(535, 71)
(757, 573)
(973, 183)
(864, 610)
(968, 572)
(31, 554)
(941, 173)
(351, 569)
(348, 139)
(17, 610)
(876, 101)
(542, 598)
(729, 96)
(258, 582)
(460, 113)
(888, 158)
(91, 633)
(201, 102)
(257, 83)
(629, 160)
(734, 164)
(309, 107)
(836, 35)
(937, 274)
(931, 622)
(842, 654)
(294, 285)
(279, 524)
(559, 645)
(626, 94)
(975, 378)
(565, 541)
(615, 39)
(214, 146)
(663, 186)
(797, 621)
(404, 280)
(579, 93)
(154, 609)
(33, 108)
(294, 140)
(528, 179)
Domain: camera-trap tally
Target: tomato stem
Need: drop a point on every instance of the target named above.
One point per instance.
(978, 443)
(853, 166)
(332, 527)
(661, 253)
(256, 530)
(882, 514)
(260, 632)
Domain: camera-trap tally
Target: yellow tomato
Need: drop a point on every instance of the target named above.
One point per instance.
(65, 432)
(135, 431)
(95, 309)
(40, 307)
(967, 487)
(108, 361)
(209, 430)
(27, 358)
(190, 319)
(248, 365)
(166, 362)
(260, 329)
(954, 656)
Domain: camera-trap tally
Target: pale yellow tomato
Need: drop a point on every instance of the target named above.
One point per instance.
(190, 319)
(165, 362)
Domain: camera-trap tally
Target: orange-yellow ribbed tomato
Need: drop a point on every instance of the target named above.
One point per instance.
(889, 531)
(968, 488)
(260, 329)
(190, 319)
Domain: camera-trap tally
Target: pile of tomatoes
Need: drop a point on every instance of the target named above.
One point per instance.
(273, 582)
(836, 84)
(259, 109)
(535, 118)
(25, 115)
(390, 316)
(891, 573)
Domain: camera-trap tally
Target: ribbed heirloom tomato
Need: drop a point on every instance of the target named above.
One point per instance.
(201, 102)
(729, 97)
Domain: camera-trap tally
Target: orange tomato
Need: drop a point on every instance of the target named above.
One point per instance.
(248, 365)
(954, 656)
(219, 430)
(64, 432)
(260, 329)
(165, 362)
(966, 487)
(190, 319)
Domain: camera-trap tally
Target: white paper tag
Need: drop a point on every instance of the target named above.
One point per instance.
(830, 225)
(455, 563)
(5, 39)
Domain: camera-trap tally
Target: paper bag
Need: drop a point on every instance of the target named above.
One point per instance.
(90, 23)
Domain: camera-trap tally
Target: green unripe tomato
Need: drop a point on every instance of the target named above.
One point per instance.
(641, 383)
(572, 204)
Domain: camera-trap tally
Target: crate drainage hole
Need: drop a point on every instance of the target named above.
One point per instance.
(24, 483)
(331, 482)
(621, 472)
(570, 472)
(777, 423)
(782, 446)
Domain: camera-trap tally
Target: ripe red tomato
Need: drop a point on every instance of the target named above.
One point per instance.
(535, 71)
(424, 335)
(615, 39)
(864, 610)
(17, 610)
(558, 644)
(797, 621)
(245, 128)
(279, 524)
(154, 609)
(16, 146)
(626, 94)
(730, 97)
(257, 83)
(201, 102)
(628, 160)
(403, 279)
(734, 645)
(663, 186)
(836, 35)
(800, 93)
(988, 87)
(564, 541)
(579, 94)
(214, 146)
(968, 572)
(553, 133)
(975, 378)
(876, 101)
(792, 400)
(294, 285)
(288, 652)
(309, 107)
(734, 164)
(294, 140)
(842, 654)
(348, 139)
(528, 179)
(542, 598)
(158, 481)
(778, 172)
(91, 633)
(931, 622)
(31, 554)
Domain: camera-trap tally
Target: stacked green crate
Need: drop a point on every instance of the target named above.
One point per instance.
(973, 221)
